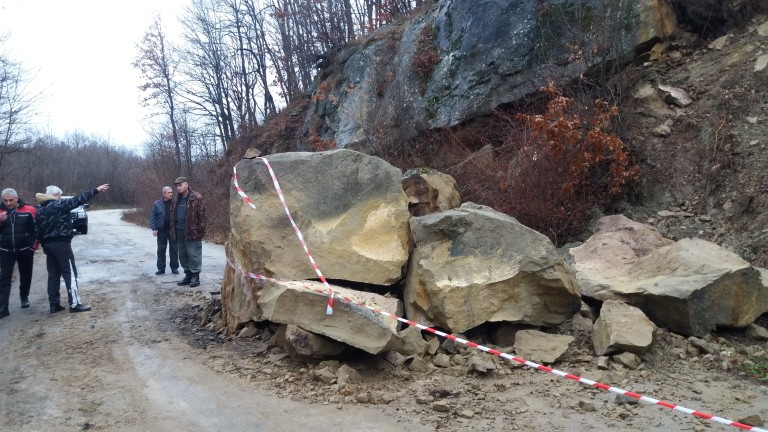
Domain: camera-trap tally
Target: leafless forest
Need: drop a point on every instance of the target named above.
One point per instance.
(236, 64)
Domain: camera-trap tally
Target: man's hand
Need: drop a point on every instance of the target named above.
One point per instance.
(103, 188)
(154, 233)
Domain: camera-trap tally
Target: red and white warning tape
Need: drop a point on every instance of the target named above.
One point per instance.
(474, 345)
(329, 307)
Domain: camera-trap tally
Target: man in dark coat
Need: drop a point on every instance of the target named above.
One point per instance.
(188, 224)
(17, 245)
(54, 231)
(160, 223)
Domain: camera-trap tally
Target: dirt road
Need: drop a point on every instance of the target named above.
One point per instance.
(122, 367)
(142, 360)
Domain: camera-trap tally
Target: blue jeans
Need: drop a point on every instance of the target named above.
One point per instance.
(164, 240)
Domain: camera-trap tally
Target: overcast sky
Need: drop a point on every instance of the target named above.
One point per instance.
(79, 54)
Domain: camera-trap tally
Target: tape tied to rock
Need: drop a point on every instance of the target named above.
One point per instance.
(329, 311)
(276, 184)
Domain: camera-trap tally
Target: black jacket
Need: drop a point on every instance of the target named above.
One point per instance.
(54, 223)
(18, 231)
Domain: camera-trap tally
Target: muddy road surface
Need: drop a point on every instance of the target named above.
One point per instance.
(124, 366)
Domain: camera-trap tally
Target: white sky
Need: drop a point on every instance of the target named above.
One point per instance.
(78, 54)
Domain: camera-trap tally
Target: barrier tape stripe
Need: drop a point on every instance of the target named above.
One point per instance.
(611, 389)
(329, 306)
(608, 388)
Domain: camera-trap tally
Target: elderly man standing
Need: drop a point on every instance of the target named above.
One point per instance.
(188, 224)
(160, 223)
(54, 230)
(17, 245)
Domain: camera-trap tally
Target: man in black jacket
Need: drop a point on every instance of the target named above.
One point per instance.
(17, 245)
(54, 230)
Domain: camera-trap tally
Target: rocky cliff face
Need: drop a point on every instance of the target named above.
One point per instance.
(462, 59)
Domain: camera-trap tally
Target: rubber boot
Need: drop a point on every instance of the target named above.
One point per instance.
(187, 278)
(195, 281)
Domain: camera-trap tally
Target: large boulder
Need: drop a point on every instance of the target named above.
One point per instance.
(303, 304)
(690, 286)
(617, 243)
(350, 208)
(473, 265)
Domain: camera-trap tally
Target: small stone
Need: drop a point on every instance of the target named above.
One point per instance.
(756, 332)
(424, 399)
(467, 414)
(441, 406)
(623, 400)
(442, 360)
(587, 405)
(753, 420)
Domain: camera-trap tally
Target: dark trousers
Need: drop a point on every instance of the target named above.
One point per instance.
(8, 259)
(60, 262)
(190, 252)
(164, 240)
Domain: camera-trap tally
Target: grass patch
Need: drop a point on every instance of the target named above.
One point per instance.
(757, 367)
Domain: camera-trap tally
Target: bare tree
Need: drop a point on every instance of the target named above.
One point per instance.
(16, 104)
(157, 67)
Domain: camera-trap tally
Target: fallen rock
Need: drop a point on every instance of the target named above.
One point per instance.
(303, 303)
(674, 95)
(753, 420)
(473, 265)
(410, 342)
(541, 347)
(348, 375)
(430, 191)
(302, 344)
(358, 231)
(628, 360)
(689, 287)
(622, 327)
(248, 330)
(756, 332)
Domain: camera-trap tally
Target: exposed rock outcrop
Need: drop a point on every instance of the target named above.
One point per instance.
(489, 53)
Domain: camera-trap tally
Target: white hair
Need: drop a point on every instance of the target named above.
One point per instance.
(166, 188)
(9, 192)
(53, 190)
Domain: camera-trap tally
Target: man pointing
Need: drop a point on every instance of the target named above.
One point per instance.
(54, 231)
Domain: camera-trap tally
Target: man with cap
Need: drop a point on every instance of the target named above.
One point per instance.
(188, 224)
(54, 231)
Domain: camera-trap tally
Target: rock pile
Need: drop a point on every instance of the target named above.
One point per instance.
(467, 270)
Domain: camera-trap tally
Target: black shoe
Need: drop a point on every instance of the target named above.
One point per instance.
(80, 308)
(159, 272)
(57, 308)
(187, 279)
(195, 281)
(4, 313)
(175, 271)
(24, 303)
